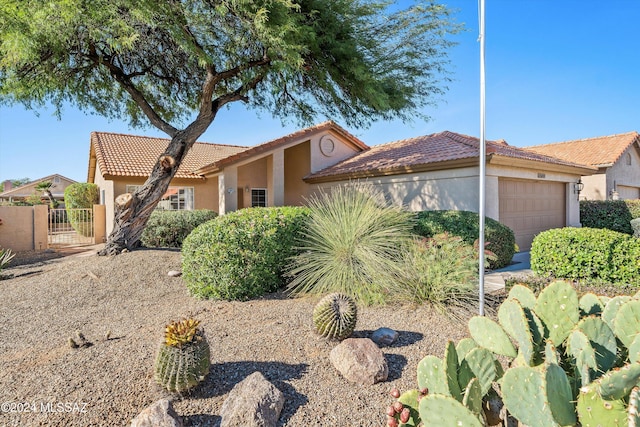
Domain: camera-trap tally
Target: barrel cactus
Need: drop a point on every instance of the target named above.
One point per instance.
(183, 357)
(335, 316)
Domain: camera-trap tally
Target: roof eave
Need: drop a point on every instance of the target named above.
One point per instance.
(499, 160)
(372, 173)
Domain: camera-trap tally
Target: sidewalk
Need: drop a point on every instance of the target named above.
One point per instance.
(520, 264)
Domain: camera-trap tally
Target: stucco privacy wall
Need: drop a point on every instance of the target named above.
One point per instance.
(24, 228)
(595, 187)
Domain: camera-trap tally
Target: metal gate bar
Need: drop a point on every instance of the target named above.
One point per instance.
(70, 227)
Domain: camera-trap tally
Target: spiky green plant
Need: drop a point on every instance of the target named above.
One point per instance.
(441, 271)
(183, 357)
(351, 237)
(5, 257)
(335, 316)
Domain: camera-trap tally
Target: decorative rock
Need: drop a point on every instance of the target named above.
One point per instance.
(254, 402)
(175, 273)
(360, 361)
(160, 414)
(384, 337)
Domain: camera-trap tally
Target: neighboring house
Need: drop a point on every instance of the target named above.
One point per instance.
(617, 158)
(528, 192)
(19, 194)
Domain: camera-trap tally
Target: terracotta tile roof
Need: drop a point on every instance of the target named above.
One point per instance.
(601, 151)
(130, 155)
(423, 152)
(269, 145)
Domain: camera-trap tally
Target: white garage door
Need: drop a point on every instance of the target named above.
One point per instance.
(529, 207)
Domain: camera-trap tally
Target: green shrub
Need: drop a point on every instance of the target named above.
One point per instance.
(634, 207)
(5, 257)
(610, 214)
(499, 238)
(242, 254)
(635, 225)
(81, 195)
(168, 229)
(351, 242)
(441, 270)
(587, 253)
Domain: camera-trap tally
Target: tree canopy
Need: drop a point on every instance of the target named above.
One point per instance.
(174, 63)
(160, 60)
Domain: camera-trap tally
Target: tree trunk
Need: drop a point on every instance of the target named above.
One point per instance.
(132, 211)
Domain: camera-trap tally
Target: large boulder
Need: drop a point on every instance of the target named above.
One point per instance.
(253, 402)
(360, 361)
(160, 414)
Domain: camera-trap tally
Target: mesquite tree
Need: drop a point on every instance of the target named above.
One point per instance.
(175, 63)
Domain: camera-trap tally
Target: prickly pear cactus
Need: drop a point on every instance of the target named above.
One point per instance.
(183, 358)
(335, 316)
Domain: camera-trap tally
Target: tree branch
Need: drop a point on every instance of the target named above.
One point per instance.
(138, 97)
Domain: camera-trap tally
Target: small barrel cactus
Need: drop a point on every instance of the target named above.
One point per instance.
(335, 316)
(183, 358)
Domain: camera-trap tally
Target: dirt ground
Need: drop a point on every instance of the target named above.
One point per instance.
(129, 298)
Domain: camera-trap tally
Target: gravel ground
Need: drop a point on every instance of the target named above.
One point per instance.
(46, 300)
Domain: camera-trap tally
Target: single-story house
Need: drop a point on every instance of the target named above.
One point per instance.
(617, 158)
(18, 194)
(529, 192)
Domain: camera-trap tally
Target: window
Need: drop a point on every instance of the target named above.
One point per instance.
(258, 197)
(628, 159)
(174, 199)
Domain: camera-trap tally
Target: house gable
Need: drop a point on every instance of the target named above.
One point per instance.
(59, 184)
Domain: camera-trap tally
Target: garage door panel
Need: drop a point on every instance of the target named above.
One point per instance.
(528, 207)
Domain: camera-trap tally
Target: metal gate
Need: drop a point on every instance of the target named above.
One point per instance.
(70, 227)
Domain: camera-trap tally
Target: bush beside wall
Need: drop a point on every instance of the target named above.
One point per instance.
(168, 229)
(500, 238)
(242, 254)
(587, 253)
(613, 215)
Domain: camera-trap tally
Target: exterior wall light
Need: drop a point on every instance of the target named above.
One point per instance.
(578, 187)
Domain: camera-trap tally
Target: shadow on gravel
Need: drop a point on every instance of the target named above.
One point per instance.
(224, 376)
(396, 363)
(404, 337)
(201, 420)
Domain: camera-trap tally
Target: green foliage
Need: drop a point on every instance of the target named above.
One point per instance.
(81, 195)
(182, 360)
(168, 229)
(610, 214)
(335, 316)
(441, 270)
(242, 254)
(587, 253)
(634, 207)
(359, 60)
(589, 378)
(635, 225)
(499, 238)
(350, 244)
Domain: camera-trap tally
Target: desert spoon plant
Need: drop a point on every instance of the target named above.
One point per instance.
(183, 358)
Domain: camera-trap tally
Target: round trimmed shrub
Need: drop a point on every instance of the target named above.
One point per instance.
(587, 253)
(242, 254)
(465, 224)
(635, 225)
(168, 229)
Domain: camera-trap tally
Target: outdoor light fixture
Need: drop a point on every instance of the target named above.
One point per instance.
(578, 187)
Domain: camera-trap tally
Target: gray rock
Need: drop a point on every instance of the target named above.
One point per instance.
(174, 273)
(160, 414)
(254, 402)
(384, 336)
(360, 361)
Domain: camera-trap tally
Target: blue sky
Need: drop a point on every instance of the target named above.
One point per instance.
(556, 70)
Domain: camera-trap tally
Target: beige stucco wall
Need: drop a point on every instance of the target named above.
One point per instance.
(297, 164)
(320, 159)
(251, 175)
(24, 228)
(623, 174)
(595, 187)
